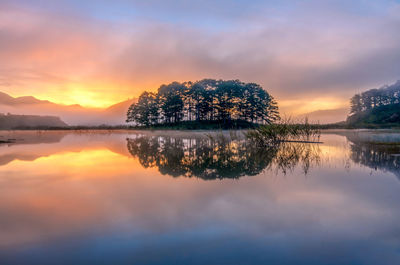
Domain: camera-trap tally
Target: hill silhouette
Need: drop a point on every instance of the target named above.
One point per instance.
(325, 116)
(10, 121)
(71, 114)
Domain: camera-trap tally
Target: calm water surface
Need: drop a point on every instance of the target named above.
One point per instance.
(188, 198)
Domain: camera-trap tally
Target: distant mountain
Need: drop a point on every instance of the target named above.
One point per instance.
(6, 99)
(120, 109)
(71, 114)
(326, 116)
(11, 121)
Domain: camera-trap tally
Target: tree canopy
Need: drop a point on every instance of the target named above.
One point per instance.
(205, 100)
(386, 95)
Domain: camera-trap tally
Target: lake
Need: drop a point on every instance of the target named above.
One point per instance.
(169, 197)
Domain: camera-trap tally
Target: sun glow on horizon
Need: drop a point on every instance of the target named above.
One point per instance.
(92, 99)
(72, 55)
(304, 106)
(104, 97)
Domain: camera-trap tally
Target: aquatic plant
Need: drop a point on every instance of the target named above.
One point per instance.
(285, 131)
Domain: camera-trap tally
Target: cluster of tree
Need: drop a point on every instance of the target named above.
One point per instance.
(205, 100)
(212, 158)
(373, 98)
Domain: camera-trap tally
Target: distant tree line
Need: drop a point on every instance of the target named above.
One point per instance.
(205, 100)
(370, 99)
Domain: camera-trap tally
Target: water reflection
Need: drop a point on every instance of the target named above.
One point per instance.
(219, 157)
(88, 199)
(377, 154)
(196, 155)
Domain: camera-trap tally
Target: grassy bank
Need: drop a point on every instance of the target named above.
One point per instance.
(194, 125)
(203, 125)
(349, 126)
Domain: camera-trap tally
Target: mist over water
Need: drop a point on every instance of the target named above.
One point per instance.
(167, 197)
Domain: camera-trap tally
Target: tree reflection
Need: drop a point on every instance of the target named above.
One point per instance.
(382, 156)
(218, 158)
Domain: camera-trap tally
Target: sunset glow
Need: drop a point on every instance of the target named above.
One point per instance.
(96, 54)
(164, 132)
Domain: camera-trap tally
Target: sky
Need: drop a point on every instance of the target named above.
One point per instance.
(309, 54)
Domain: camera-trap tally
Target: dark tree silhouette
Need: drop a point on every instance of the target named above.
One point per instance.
(373, 98)
(171, 101)
(146, 110)
(205, 100)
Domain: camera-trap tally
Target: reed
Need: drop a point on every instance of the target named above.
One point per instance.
(285, 131)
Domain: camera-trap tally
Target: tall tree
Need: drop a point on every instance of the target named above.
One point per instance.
(145, 111)
(356, 104)
(171, 98)
(375, 97)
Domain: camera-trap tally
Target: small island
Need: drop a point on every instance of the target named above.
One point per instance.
(205, 104)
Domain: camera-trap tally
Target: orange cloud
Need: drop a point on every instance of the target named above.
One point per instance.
(68, 58)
